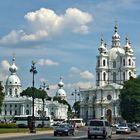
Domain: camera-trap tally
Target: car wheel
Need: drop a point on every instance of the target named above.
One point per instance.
(55, 134)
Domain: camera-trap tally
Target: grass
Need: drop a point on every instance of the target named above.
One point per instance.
(21, 130)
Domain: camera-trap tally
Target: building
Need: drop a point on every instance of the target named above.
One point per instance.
(14, 104)
(113, 67)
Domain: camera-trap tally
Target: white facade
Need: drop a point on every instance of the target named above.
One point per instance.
(14, 104)
(114, 66)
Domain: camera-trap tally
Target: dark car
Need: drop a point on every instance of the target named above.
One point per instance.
(133, 127)
(22, 126)
(64, 129)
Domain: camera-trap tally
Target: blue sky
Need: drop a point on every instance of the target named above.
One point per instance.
(63, 38)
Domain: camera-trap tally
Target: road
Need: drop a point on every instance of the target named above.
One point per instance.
(81, 134)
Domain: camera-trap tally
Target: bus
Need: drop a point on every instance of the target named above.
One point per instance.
(23, 120)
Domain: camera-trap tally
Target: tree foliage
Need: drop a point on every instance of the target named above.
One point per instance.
(63, 102)
(130, 100)
(76, 107)
(41, 94)
(1, 95)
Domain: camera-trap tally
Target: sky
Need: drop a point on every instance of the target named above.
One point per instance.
(63, 37)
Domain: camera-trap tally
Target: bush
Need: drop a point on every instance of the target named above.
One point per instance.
(8, 125)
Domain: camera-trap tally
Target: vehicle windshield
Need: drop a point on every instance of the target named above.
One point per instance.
(96, 123)
(122, 125)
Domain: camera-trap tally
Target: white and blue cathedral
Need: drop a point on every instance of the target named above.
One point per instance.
(14, 104)
(114, 66)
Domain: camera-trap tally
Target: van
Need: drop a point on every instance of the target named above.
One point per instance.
(77, 122)
(99, 128)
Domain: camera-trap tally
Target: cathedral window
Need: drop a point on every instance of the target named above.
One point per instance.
(114, 77)
(129, 62)
(16, 91)
(5, 112)
(27, 105)
(98, 76)
(103, 62)
(109, 97)
(98, 63)
(114, 64)
(15, 112)
(15, 105)
(104, 76)
(129, 74)
(10, 91)
(10, 112)
(124, 76)
(27, 112)
(123, 62)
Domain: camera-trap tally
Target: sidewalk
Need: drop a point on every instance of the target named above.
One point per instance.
(8, 135)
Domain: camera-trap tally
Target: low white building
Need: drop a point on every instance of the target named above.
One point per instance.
(14, 104)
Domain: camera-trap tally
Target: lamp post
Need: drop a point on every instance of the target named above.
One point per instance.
(75, 93)
(33, 71)
(44, 86)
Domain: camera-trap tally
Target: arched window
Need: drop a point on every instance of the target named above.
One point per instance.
(124, 76)
(10, 91)
(104, 76)
(114, 64)
(27, 112)
(98, 76)
(114, 77)
(130, 74)
(103, 62)
(129, 62)
(98, 63)
(123, 62)
(10, 112)
(15, 112)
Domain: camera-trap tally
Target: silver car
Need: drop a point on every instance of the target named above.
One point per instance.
(99, 128)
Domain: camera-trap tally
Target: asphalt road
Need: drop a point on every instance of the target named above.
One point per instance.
(81, 134)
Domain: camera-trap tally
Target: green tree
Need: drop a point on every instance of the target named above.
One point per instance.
(41, 94)
(1, 95)
(130, 100)
(76, 107)
(63, 102)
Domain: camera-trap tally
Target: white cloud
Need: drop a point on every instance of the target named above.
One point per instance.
(75, 70)
(86, 75)
(4, 70)
(47, 62)
(45, 23)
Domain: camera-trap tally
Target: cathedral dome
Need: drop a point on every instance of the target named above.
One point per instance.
(115, 52)
(13, 80)
(61, 93)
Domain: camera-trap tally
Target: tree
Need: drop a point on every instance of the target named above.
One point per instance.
(1, 96)
(63, 102)
(76, 107)
(41, 94)
(130, 100)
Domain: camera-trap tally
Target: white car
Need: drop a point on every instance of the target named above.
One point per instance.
(123, 128)
(99, 128)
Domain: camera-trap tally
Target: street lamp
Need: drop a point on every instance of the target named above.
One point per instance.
(75, 93)
(44, 86)
(33, 71)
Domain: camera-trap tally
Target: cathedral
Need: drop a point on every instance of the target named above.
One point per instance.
(14, 104)
(114, 66)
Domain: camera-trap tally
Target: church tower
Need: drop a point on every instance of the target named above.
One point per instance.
(13, 84)
(117, 64)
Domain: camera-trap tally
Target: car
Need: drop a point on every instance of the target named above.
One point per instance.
(133, 127)
(64, 129)
(22, 126)
(99, 128)
(123, 128)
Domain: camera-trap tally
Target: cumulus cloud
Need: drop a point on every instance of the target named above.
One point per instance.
(86, 75)
(75, 70)
(45, 23)
(47, 62)
(4, 70)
